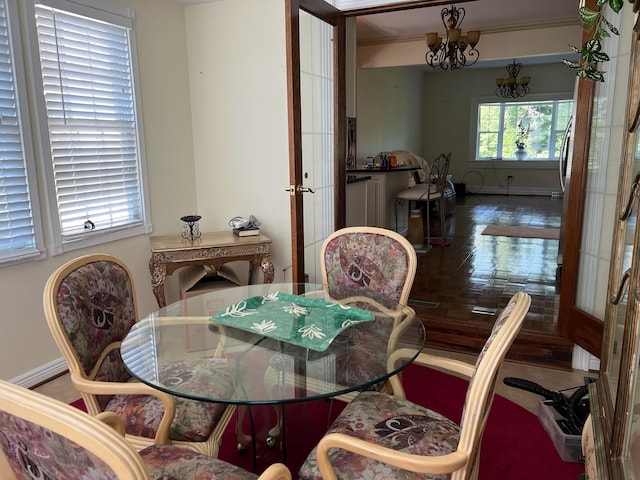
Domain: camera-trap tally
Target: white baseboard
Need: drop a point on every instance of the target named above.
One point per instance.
(41, 374)
(544, 192)
(583, 360)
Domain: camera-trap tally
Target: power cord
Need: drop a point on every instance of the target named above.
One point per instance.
(574, 409)
(493, 169)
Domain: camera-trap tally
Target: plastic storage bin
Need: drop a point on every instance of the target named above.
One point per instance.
(568, 446)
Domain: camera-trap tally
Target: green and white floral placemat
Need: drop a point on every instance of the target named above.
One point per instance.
(303, 321)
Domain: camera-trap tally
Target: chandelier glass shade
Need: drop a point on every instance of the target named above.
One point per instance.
(511, 86)
(456, 51)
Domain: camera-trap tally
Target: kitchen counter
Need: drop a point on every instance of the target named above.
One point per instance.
(355, 179)
(364, 169)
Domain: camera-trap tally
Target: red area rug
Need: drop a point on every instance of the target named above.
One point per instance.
(514, 446)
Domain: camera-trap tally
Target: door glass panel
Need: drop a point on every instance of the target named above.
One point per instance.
(633, 321)
(621, 347)
(316, 92)
(627, 211)
(619, 311)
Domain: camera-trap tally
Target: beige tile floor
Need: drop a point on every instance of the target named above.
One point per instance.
(62, 389)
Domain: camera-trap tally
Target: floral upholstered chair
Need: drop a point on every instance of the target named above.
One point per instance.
(386, 436)
(46, 439)
(376, 259)
(90, 305)
(380, 261)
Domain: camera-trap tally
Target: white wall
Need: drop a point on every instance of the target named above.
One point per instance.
(26, 343)
(448, 118)
(234, 161)
(389, 111)
(237, 77)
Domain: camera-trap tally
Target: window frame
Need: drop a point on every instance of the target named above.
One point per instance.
(473, 130)
(57, 242)
(17, 54)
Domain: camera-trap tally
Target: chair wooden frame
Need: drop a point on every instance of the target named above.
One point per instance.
(102, 435)
(462, 463)
(89, 387)
(95, 436)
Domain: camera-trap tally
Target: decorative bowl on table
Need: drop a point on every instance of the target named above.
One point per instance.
(191, 229)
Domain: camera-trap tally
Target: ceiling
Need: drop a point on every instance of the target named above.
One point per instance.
(483, 15)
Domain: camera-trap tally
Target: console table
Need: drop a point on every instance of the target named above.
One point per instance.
(171, 252)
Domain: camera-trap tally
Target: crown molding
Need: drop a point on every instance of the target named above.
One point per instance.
(196, 2)
(514, 27)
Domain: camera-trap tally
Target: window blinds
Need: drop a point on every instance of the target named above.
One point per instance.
(17, 234)
(89, 98)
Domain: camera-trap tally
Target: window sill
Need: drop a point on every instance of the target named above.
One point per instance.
(31, 255)
(511, 164)
(98, 238)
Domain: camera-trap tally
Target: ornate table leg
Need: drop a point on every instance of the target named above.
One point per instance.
(158, 277)
(267, 269)
(265, 265)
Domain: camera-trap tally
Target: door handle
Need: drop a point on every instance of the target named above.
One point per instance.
(632, 195)
(615, 299)
(292, 189)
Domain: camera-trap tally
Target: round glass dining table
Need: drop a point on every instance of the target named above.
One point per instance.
(277, 342)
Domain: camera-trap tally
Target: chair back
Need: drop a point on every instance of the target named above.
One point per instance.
(377, 259)
(90, 306)
(46, 439)
(439, 170)
(481, 389)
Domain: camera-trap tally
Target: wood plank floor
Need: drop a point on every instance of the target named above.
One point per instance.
(459, 288)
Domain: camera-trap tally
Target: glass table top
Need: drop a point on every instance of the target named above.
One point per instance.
(274, 343)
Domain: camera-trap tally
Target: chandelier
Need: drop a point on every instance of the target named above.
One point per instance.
(457, 50)
(511, 87)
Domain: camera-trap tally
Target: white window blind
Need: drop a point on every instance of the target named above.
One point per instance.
(17, 231)
(90, 104)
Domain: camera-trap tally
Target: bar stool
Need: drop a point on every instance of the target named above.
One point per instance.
(424, 193)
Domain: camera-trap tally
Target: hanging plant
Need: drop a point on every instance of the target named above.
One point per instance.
(595, 23)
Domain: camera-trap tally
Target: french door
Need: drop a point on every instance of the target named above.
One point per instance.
(315, 64)
(582, 328)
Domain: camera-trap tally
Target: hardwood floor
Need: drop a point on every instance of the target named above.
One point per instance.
(459, 288)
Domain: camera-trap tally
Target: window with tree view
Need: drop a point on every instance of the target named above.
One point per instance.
(531, 130)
